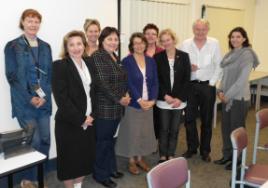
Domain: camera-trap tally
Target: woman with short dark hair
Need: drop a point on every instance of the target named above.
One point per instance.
(28, 62)
(151, 32)
(111, 97)
(136, 135)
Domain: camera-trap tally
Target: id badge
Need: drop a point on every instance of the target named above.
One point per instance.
(40, 92)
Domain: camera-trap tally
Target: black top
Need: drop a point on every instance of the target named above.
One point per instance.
(75, 146)
(182, 74)
(69, 92)
(111, 85)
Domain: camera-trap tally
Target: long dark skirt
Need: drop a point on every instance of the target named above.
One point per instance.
(75, 150)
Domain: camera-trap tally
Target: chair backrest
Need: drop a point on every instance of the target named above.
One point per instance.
(170, 174)
(239, 139)
(262, 118)
(261, 122)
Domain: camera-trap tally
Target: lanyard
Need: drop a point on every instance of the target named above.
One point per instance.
(35, 61)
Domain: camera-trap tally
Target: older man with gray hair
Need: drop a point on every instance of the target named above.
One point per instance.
(205, 57)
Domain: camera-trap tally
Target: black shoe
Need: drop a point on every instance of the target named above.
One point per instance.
(222, 161)
(189, 154)
(161, 161)
(108, 183)
(117, 175)
(229, 166)
(206, 158)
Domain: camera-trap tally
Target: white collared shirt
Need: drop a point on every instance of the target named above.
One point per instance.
(171, 75)
(163, 104)
(86, 80)
(207, 59)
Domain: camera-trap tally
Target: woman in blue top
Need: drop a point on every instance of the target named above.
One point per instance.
(136, 136)
(28, 63)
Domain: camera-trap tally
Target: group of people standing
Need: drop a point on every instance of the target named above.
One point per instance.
(145, 93)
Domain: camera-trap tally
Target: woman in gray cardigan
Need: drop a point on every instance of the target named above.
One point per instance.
(234, 90)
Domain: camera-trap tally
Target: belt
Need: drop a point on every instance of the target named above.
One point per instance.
(200, 82)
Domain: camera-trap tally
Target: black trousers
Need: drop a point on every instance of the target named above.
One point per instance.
(231, 120)
(105, 162)
(201, 99)
(156, 121)
(168, 131)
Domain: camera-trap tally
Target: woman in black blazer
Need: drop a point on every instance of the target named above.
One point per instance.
(174, 76)
(72, 85)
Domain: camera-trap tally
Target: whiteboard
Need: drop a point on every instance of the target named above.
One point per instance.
(59, 17)
(222, 21)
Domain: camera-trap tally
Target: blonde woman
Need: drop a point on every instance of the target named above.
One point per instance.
(174, 72)
(72, 85)
(92, 30)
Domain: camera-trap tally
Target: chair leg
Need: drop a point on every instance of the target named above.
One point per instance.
(256, 142)
(243, 166)
(149, 181)
(234, 161)
(253, 96)
(188, 183)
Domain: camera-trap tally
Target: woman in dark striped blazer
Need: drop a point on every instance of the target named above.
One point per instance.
(111, 97)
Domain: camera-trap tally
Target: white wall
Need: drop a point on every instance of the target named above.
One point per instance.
(247, 5)
(174, 15)
(254, 21)
(59, 17)
(260, 38)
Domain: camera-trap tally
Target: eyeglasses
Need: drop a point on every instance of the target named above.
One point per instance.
(138, 43)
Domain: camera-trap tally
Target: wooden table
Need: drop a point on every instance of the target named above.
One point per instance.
(15, 164)
(257, 77)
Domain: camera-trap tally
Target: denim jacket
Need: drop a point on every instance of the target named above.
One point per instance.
(18, 63)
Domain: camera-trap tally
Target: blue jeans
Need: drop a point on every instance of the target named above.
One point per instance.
(40, 140)
(105, 163)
